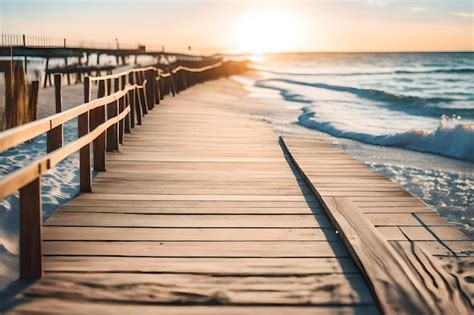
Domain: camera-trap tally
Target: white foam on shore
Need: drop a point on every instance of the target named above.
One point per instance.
(452, 137)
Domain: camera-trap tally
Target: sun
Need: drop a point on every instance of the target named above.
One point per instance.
(266, 30)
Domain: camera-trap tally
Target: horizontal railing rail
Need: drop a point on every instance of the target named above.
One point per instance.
(122, 100)
(23, 40)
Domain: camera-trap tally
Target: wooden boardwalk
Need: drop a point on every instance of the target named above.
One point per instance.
(204, 210)
(199, 212)
(393, 236)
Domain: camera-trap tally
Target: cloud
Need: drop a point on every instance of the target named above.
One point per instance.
(419, 9)
(464, 14)
(378, 3)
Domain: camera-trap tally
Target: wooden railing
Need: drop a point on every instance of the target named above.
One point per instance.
(123, 99)
(22, 40)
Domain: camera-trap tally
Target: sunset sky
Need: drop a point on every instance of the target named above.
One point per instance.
(254, 26)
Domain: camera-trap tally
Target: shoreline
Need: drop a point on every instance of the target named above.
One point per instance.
(404, 167)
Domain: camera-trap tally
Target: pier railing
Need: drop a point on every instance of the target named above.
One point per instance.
(122, 101)
(22, 40)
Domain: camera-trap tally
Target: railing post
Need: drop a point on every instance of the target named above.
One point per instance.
(31, 257)
(142, 93)
(125, 102)
(99, 143)
(157, 89)
(138, 106)
(131, 100)
(112, 135)
(118, 110)
(85, 152)
(55, 135)
(143, 101)
(177, 81)
(185, 80)
(173, 88)
(150, 91)
(68, 76)
(162, 88)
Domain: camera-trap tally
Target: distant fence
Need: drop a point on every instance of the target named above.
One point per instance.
(16, 40)
(123, 100)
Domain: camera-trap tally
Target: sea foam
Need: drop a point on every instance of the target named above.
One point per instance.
(452, 138)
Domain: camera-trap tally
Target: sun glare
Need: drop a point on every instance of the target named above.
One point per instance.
(260, 31)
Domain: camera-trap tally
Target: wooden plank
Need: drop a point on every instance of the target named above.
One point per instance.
(63, 306)
(205, 289)
(402, 219)
(203, 209)
(155, 197)
(392, 233)
(462, 268)
(210, 266)
(187, 234)
(417, 233)
(400, 277)
(203, 204)
(448, 233)
(196, 249)
(400, 289)
(449, 295)
(101, 189)
(145, 220)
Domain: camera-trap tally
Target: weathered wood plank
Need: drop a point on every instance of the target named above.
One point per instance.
(402, 277)
(156, 197)
(196, 249)
(172, 204)
(398, 287)
(210, 266)
(449, 296)
(205, 289)
(61, 233)
(63, 306)
(188, 220)
(193, 210)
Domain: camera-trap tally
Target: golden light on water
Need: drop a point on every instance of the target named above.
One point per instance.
(266, 30)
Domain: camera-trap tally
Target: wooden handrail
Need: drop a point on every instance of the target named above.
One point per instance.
(11, 182)
(123, 73)
(20, 134)
(101, 122)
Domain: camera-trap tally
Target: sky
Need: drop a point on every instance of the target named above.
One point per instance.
(256, 26)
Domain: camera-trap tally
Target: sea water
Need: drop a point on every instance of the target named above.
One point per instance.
(409, 116)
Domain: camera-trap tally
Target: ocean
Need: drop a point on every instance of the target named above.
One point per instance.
(409, 116)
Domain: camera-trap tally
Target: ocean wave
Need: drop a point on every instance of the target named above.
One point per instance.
(408, 72)
(452, 138)
(425, 106)
(372, 94)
